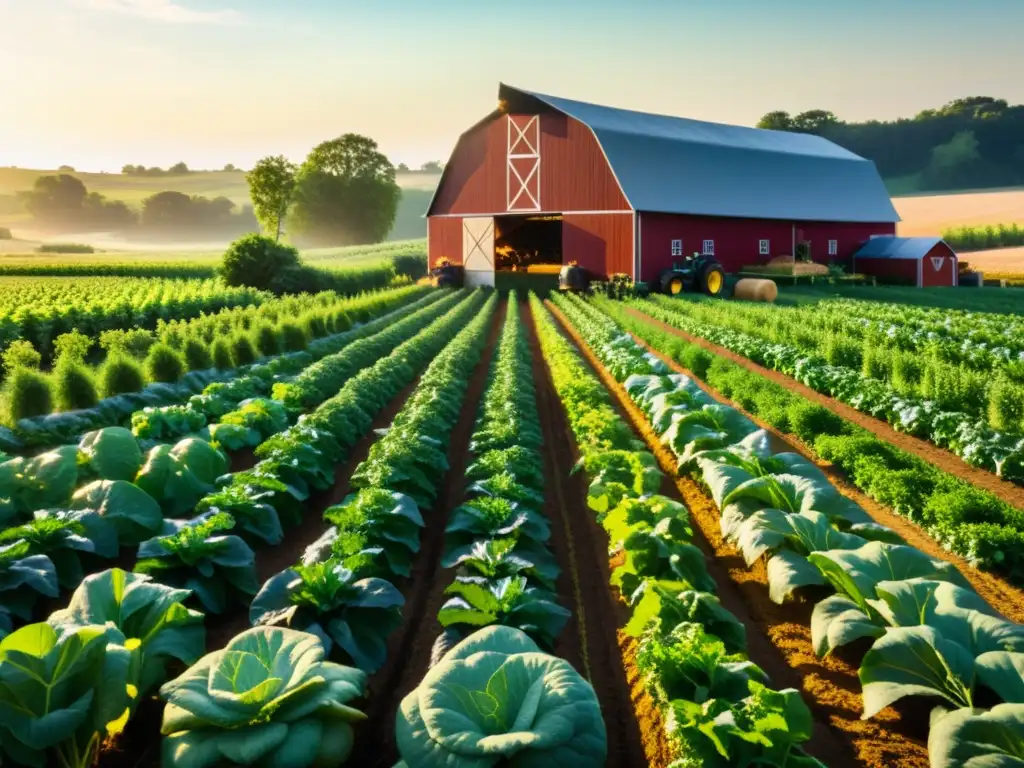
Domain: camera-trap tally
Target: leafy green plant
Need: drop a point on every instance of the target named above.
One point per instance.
(499, 698)
(120, 375)
(293, 338)
(111, 453)
(73, 387)
(27, 393)
(377, 532)
(223, 359)
(242, 351)
(268, 697)
(24, 577)
(178, 476)
(198, 555)
(21, 354)
(197, 355)
(61, 535)
(164, 364)
(63, 696)
(133, 514)
(71, 347)
(326, 599)
(266, 340)
(158, 628)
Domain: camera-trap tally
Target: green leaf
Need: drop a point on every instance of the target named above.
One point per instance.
(112, 453)
(974, 738)
(1003, 672)
(132, 512)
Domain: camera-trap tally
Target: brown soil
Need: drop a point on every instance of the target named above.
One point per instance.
(1005, 597)
(778, 636)
(938, 457)
(409, 648)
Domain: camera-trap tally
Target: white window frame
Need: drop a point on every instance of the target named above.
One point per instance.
(677, 247)
(764, 248)
(708, 248)
(833, 247)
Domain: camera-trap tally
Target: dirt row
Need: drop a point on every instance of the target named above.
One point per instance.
(938, 457)
(778, 636)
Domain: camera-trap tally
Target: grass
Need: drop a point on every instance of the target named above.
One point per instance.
(1000, 300)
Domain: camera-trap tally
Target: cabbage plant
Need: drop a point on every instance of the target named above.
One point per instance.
(268, 698)
(495, 699)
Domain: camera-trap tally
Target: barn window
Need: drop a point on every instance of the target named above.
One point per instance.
(763, 248)
(833, 247)
(709, 247)
(677, 247)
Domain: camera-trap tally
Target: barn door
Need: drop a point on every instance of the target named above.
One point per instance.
(478, 251)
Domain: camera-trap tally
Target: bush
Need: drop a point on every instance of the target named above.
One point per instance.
(27, 394)
(1006, 405)
(905, 371)
(293, 339)
(71, 347)
(266, 340)
(222, 359)
(808, 420)
(135, 342)
(256, 261)
(412, 266)
(876, 363)
(73, 386)
(197, 355)
(65, 248)
(342, 321)
(313, 325)
(120, 375)
(242, 351)
(21, 354)
(164, 364)
(839, 350)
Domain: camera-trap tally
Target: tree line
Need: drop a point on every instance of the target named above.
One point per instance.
(178, 169)
(975, 142)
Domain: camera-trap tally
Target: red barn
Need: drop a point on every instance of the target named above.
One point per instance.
(920, 261)
(621, 191)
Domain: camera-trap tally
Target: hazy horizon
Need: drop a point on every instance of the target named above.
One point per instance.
(97, 84)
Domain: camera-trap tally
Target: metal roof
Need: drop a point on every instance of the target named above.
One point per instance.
(677, 165)
(891, 247)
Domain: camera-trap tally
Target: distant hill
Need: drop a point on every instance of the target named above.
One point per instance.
(417, 188)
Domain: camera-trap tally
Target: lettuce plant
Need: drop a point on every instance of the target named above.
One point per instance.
(495, 699)
(178, 476)
(490, 560)
(511, 602)
(976, 738)
(193, 554)
(24, 577)
(491, 517)
(111, 453)
(63, 695)
(40, 482)
(62, 535)
(157, 626)
(377, 532)
(327, 600)
(132, 513)
(268, 698)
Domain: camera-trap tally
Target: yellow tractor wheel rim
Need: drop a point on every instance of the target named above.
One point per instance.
(675, 286)
(714, 281)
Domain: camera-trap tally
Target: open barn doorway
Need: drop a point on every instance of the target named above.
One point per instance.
(528, 243)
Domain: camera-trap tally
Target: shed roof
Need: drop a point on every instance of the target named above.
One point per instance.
(676, 165)
(891, 247)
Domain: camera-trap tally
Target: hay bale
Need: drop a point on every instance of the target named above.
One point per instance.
(752, 289)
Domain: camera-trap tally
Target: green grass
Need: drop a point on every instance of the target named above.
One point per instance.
(999, 300)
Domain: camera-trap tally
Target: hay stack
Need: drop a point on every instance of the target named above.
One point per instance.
(751, 289)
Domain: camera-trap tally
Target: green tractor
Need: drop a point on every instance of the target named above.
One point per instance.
(697, 273)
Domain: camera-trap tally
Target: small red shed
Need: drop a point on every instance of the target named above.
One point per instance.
(920, 261)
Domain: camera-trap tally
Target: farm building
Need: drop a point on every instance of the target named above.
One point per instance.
(920, 261)
(549, 180)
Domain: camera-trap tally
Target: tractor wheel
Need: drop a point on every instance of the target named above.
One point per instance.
(673, 283)
(712, 279)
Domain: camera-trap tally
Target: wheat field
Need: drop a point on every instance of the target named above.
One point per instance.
(930, 214)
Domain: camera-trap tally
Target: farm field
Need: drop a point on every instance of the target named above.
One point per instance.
(927, 215)
(400, 523)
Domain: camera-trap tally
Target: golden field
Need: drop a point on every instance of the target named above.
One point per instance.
(930, 214)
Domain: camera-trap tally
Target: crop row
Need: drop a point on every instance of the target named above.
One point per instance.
(39, 311)
(122, 381)
(690, 649)
(930, 634)
(960, 432)
(211, 560)
(964, 519)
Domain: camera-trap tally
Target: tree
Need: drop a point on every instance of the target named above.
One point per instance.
(53, 197)
(813, 121)
(346, 192)
(272, 189)
(230, 168)
(403, 168)
(776, 121)
(957, 163)
(66, 169)
(257, 261)
(431, 167)
(178, 169)
(166, 209)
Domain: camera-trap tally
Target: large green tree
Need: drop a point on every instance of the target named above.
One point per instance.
(272, 189)
(346, 193)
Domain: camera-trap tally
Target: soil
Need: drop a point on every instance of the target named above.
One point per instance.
(1007, 598)
(409, 648)
(778, 636)
(938, 457)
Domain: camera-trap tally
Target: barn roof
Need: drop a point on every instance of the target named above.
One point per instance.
(891, 247)
(676, 165)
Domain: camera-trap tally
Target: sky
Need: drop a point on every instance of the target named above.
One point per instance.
(97, 84)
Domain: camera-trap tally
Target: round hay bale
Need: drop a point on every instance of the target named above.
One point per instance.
(752, 289)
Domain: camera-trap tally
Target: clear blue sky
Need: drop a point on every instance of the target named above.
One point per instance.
(100, 83)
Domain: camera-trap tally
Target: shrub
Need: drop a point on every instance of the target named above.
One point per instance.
(27, 394)
(839, 350)
(313, 325)
(293, 339)
(412, 266)
(164, 364)
(73, 386)
(342, 321)
(135, 342)
(256, 261)
(242, 351)
(876, 363)
(905, 371)
(71, 347)
(1006, 405)
(65, 248)
(808, 420)
(222, 359)
(266, 340)
(120, 375)
(197, 355)
(21, 354)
